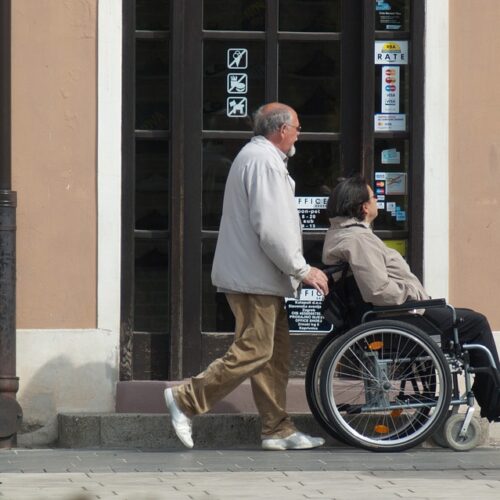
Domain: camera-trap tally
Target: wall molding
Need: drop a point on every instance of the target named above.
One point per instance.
(436, 187)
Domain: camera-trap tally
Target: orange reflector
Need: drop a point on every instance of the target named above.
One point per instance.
(381, 429)
(396, 413)
(375, 346)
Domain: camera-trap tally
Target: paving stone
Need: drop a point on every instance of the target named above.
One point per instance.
(218, 478)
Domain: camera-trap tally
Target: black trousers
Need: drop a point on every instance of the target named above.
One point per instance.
(473, 328)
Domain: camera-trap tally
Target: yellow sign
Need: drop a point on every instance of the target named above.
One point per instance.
(391, 47)
(399, 245)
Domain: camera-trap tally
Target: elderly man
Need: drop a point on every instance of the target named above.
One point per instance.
(258, 261)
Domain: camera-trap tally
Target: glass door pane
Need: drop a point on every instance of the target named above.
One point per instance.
(309, 81)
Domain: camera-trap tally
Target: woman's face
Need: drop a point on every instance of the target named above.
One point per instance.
(370, 208)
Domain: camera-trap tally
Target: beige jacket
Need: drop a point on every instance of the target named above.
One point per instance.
(381, 273)
(259, 248)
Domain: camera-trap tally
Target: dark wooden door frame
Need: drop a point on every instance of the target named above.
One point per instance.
(191, 350)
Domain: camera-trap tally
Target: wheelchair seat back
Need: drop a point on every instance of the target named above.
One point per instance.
(345, 308)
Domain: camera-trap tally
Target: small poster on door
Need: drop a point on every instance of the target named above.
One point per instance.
(310, 208)
(304, 314)
(388, 17)
(390, 123)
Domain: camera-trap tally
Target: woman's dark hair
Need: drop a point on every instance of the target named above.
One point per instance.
(348, 197)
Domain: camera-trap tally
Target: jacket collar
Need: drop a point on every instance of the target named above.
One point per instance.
(260, 139)
(343, 222)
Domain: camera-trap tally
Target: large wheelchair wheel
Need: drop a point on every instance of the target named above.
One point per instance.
(312, 384)
(383, 386)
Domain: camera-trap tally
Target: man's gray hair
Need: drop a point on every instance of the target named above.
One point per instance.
(267, 122)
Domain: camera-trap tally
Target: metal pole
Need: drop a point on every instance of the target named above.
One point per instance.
(10, 411)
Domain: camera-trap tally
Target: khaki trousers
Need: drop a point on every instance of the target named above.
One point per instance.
(261, 351)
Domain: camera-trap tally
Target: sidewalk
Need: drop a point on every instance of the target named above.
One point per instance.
(326, 473)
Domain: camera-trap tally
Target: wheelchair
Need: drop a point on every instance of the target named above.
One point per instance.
(387, 385)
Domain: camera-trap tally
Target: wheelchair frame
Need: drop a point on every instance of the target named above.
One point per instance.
(397, 401)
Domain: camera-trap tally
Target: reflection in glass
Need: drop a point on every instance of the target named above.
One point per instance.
(392, 15)
(152, 14)
(309, 16)
(152, 85)
(391, 180)
(218, 155)
(151, 293)
(309, 81)
(219, 88)
(315, 169)
(216, 313)
(313, 251)
(152, 184)
(236, 15)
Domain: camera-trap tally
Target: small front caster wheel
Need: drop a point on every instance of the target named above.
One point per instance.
(452, 429)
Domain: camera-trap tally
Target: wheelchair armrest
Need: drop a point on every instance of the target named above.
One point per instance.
(412, 304)
(407, 306)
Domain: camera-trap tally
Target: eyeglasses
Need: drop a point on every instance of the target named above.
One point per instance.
(298, 127)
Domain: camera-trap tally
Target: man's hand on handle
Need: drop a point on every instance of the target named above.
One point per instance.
(317, 279)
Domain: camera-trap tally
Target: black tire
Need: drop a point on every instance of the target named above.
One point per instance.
(384, 386)
(313, 376)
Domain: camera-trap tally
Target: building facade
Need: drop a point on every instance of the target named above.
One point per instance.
(126, 116)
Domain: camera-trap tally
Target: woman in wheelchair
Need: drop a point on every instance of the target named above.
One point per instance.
(385, 279)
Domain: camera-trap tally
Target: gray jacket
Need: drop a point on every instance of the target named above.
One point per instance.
(382, 275)
(259, 249)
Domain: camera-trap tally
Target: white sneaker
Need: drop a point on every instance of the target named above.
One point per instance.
(182, 425)
(296, 441)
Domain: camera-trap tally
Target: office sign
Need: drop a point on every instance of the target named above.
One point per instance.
(310, 207)
(304, 314)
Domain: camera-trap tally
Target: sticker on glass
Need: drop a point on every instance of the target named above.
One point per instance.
(390, 89)
(401, 216)
(388, 18)
(395, 183)
(237, 83)
(391, 52)
(310, 208)
(237, 58)
(390, 123)
(382, 5)
(391, 157)
(237, 107)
